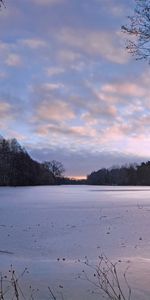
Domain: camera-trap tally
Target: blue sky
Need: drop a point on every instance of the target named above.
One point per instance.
(68, 89)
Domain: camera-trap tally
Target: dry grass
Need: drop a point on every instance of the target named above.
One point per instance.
(103, 277)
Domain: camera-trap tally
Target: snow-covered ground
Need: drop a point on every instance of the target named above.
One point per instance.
(50, 230)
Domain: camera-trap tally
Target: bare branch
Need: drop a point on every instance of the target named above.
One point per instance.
(105, 279)
(138, 28)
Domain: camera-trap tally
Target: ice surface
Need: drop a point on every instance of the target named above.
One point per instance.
(50, 230)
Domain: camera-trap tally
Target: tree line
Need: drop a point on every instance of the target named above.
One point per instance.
(124, 175)
(17, 168)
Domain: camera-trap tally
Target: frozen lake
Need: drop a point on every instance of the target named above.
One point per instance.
(50, 230)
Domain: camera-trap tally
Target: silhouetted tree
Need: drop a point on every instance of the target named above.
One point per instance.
(132, 175)
(18, 168)
(2, 3)
(55, 167)
(139, 30)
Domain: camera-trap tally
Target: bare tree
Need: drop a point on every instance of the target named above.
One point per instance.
(55, 167)
(138, 29)
(2, 3)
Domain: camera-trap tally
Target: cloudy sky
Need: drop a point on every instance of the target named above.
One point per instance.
(68, 89)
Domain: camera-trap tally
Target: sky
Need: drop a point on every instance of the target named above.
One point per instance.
(69, 90)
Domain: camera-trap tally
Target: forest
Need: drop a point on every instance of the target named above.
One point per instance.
(133, 174)
(17, 168)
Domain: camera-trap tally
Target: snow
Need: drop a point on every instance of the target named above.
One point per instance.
(50, 230)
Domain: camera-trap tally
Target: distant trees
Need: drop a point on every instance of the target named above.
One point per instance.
(139, 30)
(125, 175)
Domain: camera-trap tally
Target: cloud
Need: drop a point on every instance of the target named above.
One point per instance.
(65, 130)
(10, 55)
(3, 75)
(47, 2)
(53, 71)
(113, 7)
(5, 108)
(54, 110)
(114, 112)
(99, 114)
(125, 88)
(13, 60)
(68, 56)
(15, 134)
(6, 115)
(34, 43)
(3, 47)
(47, 87)
(94, 43)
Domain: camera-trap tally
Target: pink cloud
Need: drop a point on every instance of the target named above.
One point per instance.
(125, 88)
(99, 43)
(55, 111)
